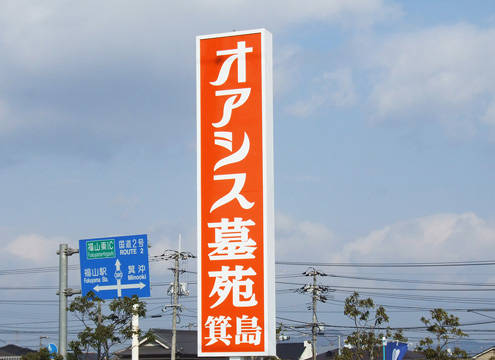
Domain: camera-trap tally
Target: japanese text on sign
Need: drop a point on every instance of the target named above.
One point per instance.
(235, 196)
(115, 267)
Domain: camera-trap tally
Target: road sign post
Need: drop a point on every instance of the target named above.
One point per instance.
(115, 266)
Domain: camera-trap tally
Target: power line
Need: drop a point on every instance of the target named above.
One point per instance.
(164, 256)
(411, 281)
(393, 265)
(35, 270)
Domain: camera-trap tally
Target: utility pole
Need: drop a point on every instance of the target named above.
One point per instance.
(315, 320)
(318, 293)
(63, 293)
(175, 304)
(176, 289)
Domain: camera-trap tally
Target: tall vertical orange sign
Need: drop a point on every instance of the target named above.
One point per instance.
(236, 280)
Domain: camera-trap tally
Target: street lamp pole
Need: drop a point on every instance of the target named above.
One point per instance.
(43, 337)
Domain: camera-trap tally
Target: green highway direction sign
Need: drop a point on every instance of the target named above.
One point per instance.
(115, 267)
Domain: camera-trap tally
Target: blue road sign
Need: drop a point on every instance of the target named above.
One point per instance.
(115, 267)
(52, 349)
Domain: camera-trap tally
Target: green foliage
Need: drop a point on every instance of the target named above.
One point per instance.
(43, 354)
(398, 336)
(103, 331)
(368, 320)
(346, 354)
(445, 330)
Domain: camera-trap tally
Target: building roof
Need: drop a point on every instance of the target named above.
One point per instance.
(16, 350)
(483, 352)
(290, 351)
(87, 356)
(187, 341)
(187, 347)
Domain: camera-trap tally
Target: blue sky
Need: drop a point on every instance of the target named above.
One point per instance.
(384, 117)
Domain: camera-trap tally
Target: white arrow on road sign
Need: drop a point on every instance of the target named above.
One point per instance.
(119, 287)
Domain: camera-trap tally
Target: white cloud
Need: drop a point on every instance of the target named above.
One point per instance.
(49, 34)
(34, 248)
(126, 205)
(435, 238)
(329, 89)
(302, 240)
(489, 116)
(442, 74)
(350, 13)
(286, 70)
(77, 77)
(6, 122)
(341, 87)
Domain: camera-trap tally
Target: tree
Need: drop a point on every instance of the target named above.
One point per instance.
(398, 335)
(445, 329)
(103, 331)
(368, 320)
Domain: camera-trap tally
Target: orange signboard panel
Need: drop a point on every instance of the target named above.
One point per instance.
(236, 285)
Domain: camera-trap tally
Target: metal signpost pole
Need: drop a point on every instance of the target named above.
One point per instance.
(384, 343)
(135, 328)
(63, 292)
(62, 301)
